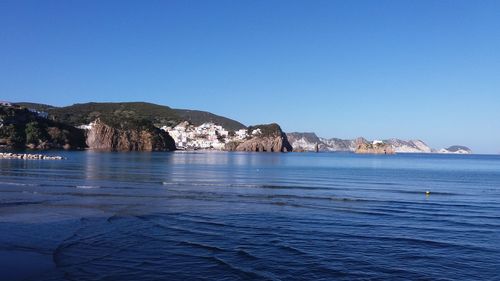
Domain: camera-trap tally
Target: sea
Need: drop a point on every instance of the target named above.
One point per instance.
(250, 216)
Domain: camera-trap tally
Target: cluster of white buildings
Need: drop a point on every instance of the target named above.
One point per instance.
(205, 136)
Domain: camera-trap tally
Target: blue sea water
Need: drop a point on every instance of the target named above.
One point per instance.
(250, 216)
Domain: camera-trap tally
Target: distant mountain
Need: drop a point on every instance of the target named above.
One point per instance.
(308, 142)
(411, 146)
(456, 149)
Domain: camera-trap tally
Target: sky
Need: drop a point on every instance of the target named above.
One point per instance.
(425, 70)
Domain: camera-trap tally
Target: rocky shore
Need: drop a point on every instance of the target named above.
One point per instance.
(28, 156)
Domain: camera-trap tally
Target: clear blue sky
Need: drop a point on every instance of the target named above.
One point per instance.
(379, 69)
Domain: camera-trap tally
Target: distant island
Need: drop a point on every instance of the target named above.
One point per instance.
(141, 126)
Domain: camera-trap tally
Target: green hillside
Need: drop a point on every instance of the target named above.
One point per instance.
(20, 128)
(197, 118)
(159, 115)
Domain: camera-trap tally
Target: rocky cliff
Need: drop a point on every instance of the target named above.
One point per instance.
(304, 141)
(263, 138)
(124, 136)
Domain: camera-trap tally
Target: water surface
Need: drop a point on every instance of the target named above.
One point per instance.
(250, 216)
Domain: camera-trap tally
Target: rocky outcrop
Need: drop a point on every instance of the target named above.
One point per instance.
(102, 136)
(376, 147)
(456, 149)
(263, 138)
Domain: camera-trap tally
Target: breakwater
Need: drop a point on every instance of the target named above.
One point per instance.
(28, 156)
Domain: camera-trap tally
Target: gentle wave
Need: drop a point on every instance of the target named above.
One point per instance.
(88, 186)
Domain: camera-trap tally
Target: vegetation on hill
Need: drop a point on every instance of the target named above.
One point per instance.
(36, 106)
(197, 118)
(21, 128)
(159, 115)
(272, 129)
(130, 112)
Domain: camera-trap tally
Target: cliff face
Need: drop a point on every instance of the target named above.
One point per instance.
(264, 138)
(304, 141)
(102, 136)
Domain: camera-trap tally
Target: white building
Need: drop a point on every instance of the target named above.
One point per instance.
(205, 136)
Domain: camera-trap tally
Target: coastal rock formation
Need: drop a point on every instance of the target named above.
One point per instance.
(376, 147)
(311, 142)
(304, 141)
(456, 149)
(336, 144)
(127, 136)
(263, 138)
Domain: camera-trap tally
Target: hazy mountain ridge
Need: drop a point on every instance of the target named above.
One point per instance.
(309, 141)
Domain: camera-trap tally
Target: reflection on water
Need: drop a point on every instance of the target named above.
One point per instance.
(250, 216)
